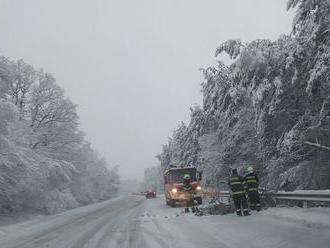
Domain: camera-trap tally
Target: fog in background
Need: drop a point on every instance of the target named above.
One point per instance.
(132, 66)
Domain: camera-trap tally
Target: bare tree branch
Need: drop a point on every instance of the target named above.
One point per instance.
(316, 145)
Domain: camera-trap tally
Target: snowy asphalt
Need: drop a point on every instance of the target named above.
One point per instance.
(133, 221)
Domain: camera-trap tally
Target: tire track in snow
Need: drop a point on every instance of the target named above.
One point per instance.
(75, 231)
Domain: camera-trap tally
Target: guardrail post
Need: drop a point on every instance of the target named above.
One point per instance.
(304, 204)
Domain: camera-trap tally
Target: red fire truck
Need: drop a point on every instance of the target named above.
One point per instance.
(173, 179)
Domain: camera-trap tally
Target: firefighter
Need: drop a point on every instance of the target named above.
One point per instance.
(251, 183)
(187, 183)
(238, 193)
(188, 188)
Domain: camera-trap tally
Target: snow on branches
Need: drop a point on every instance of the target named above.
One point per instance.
(44, 160)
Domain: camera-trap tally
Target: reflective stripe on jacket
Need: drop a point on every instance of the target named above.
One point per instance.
(251, 182)
(236, 185)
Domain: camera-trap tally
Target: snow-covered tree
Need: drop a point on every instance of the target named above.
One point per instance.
(266, 107)
(45, 163)
(22, 78)
(53, 117)
(5, 75)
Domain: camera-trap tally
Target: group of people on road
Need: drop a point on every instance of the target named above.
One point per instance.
(244, 191)
(245, 186)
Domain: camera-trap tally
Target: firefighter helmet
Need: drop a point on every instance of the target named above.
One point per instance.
(250, 169)
(186, 177)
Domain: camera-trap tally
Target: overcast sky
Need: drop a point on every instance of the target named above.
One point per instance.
(132, 65)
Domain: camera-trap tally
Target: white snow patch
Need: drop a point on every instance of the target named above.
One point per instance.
(310, 217)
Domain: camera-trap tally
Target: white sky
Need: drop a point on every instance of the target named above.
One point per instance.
(132, 65)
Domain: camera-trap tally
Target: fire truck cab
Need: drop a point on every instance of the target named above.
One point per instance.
(173, 180)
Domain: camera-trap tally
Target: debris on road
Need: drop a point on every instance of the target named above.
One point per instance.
(215, 209)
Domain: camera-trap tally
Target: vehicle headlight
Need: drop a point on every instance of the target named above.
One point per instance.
(198, 188)
(174, 190)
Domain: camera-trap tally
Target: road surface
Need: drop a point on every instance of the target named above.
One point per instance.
(133, 221)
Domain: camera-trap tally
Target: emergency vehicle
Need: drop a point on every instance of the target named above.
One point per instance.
(173, 185)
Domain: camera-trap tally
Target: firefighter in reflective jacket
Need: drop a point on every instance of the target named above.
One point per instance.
(187, 187)
(187, 183)
(236, 184)
(251, 184)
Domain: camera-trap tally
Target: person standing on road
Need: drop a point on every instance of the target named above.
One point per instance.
(238, 193)
(187, 183)
(251, 183)
(187, 187)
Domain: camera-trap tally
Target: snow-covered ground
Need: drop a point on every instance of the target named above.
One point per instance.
(133, 221)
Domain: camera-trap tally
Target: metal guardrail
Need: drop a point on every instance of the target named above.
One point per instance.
(301, 196)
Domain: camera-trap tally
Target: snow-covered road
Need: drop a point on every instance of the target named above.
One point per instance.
(133, 221)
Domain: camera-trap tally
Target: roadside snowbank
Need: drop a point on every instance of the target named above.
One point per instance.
(163, 226)
(310, 217)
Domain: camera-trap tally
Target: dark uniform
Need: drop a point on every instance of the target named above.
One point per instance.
(187, 187)
(251, 183)
(187, 183)
(236, 184)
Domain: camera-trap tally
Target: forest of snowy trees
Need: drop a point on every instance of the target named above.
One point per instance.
(263, 108)
(46, 164)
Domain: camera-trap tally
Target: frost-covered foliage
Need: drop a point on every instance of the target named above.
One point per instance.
(263, 108)
(45, 163)
(231, 47)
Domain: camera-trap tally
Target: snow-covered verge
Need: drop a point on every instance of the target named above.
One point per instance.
(275, 227)
(310, 217)
(269, 109)
(46, 165)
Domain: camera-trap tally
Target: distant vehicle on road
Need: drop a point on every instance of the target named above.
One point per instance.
(174, 192)
(150, 194)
